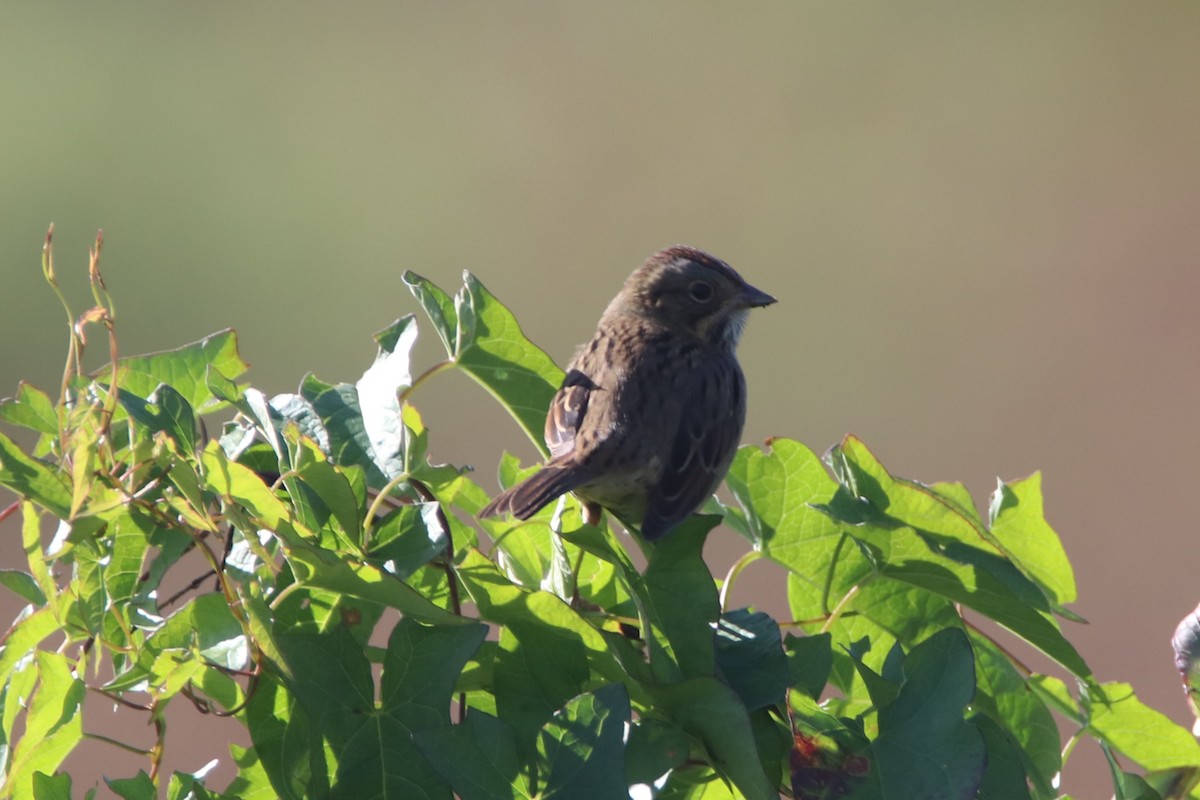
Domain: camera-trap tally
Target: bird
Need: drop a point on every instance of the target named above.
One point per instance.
(651, 409)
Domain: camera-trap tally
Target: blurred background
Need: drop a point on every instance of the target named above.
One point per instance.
(980, 221)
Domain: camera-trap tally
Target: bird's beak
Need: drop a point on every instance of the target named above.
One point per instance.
(753, 298)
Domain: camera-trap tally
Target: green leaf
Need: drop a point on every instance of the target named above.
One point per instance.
(776, 489)
(1058, 696)
(654, 748)
(338, 412)
(222, 387)
(809, 660)
(491, 348)
(538, 668)
(539, 614)
(378, 390)
(882, 610)
(419, 674)
(1020, 526)
(53, 726)
(31, 408)
(286, 742)
(331, 678)
(183, 786)
(1145, 736)
(1005, 697)
(131, 534)
(31, 541)
(47, 787)
(331, 486)
(681, 603)
(166, 411)
(23, 637)
(697, 782)
(547, 650)
(207, 624)
(23, 584)
(925, 748)
(252, 781)
(323, 569)
(477, 758)
(882, 690)
(408, 538)
(710, 711)
(913, 561)
(184, 368)
(1004, 776)
(33, 479)
(139, 787)
(583, 755)
(439, 307)
(750, 656)
(422, 667)
(905, 501)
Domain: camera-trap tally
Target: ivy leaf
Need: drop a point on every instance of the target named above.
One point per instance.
(31, 408)
(139, 787)
(33, 479)
(750, 656)
(378, 395)
(925, 748)
(1007, 699)
(681, 603)
(1019, 525)
(438, 306)
(1147, 737)
(489, 346)
(477, 758)
(711, 712)
(654, 749)
(777, 489)
(809, 660)
(582, 747)
(53, 724)
(51, 787)
(184, 368)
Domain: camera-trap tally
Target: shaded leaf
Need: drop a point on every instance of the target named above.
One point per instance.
(750, 657)
(681, 603)
(712, 713)
(477, 758)
(925, 748)
(55, 787)
(582, 749)
(654, 748)
(809, 661)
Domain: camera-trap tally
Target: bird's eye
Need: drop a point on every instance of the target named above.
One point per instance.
(701, 291)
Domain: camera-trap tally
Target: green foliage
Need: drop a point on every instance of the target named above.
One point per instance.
(376, 640)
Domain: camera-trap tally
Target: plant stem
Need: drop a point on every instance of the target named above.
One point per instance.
(746, 560)
(441, 366)
(837, 611)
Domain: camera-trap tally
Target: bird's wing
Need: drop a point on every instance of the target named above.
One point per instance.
(703, 446)
(567, 410)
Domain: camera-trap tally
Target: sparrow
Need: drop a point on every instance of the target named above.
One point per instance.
(651, 410)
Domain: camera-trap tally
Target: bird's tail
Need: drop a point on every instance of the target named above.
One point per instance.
(526, 498)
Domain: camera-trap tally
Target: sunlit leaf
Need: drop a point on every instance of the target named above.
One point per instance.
(184, 368)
